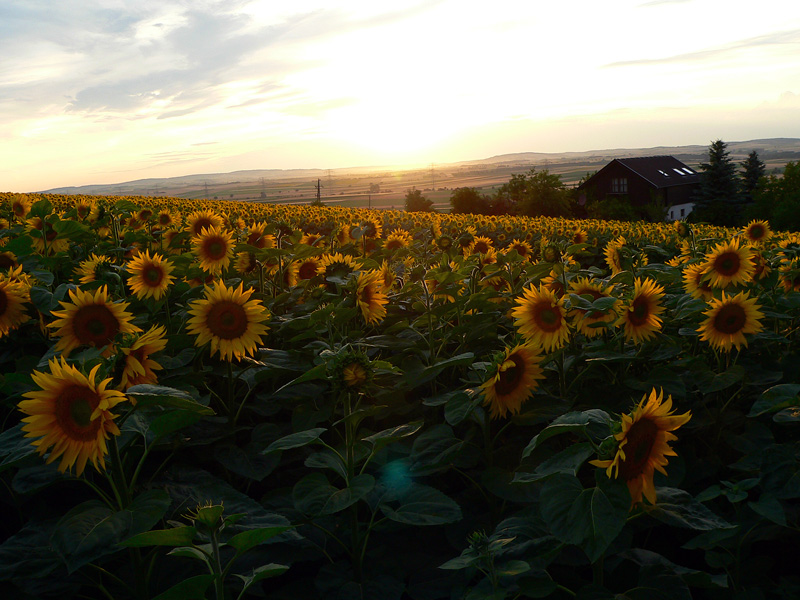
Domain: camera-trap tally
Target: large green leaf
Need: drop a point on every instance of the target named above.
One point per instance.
(15, 448)
(251, 538)
(590, 518)
(776, 398)
(296, 440)
(92, 529)
(387, 436)
(678, 508)
(422, 505)
(572, 422)
(193, 588)
(157, 395)
(260, 573)
(567, 461)
(314, 495)
(175, 536)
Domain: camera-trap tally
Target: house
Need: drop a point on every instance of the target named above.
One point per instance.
(644, 179)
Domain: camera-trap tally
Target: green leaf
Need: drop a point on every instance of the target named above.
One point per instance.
(423, 505)
(387, 436)
(251, 538)
(776, 398)
(314, 495)
(172, 421)
(262, 572)
(770, 508)
(156, 395)
(296, 440)
(416, 377)
(591, 518)
(678, 508)
(459, 407)
(568, 423)
(92, 529)
(176, 536)
(193, 588)
(567, 461)
(723, 380)
(787, 415)
(15, 448)
(248, 462)
(318, 372)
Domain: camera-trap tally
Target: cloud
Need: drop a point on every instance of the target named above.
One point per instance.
(789, 38)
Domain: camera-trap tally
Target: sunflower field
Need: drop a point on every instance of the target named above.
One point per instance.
(227, 400)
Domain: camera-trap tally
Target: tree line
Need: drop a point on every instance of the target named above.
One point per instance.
(728, 194)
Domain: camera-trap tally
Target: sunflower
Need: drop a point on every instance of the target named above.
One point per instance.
(13, 296)
(513, 380)
(313, 239)
(165, 219)
(71, 414)
(89, 268)
(83, 208)
(336, 265)
(757, 231)
(387, 277)
(214, 248)
(138, 367)
(643, 445)
(729, 264)
(397, 239)
(541, 318)
(579, 237)
(229, 320)
(202, 219)
(45, 237)
(695, 284)
(258, 238)
(640, 316)
(246, 263)
(150, 275)
(614, 256)
(522, 247)
(729, 319)
(584, 319)
(482, 244)
(21, 206)
(91, 320)
(301, 270)
(790, 275)
(369, 297)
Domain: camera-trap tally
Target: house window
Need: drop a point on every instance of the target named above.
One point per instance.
(619, 185)
(683, 211)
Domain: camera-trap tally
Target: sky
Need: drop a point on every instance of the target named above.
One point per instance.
(109, 91)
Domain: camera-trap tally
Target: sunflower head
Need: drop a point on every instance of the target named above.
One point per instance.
(512, 378)
(351, 370)
(640, 445)
(729, 319)
(71, 413)
(757, 232)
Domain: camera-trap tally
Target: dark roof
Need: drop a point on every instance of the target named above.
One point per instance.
(659, 171)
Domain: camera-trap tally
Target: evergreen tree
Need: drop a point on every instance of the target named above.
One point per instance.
(718, 200)
(753, 170)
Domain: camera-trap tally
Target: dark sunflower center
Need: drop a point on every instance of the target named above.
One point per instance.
(255, 240)
(727, 264)
(19, 209)
(203, 222)
(510, 379)
(756, 232)
(3, 302)
(95, 325)
(164, 220)
(394, 244)
(215, 249)
(547, 318)
(51, 233)
(227, 320)
(307, 270)
(730, 319)
(639, 312)
(6, 262)
(641, 439)
(521, 250)
(366, 295)
(152, 275)
(73, 410)
(481, 247)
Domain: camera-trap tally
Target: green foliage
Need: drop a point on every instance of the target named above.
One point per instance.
(468, 200)
(535, 194)
(719, 199)
(777, 199)
(416, 202)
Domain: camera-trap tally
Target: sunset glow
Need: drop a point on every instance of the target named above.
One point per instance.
(109, 92)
